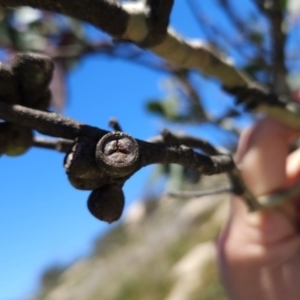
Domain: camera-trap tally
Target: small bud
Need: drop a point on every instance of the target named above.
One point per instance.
(106, 203)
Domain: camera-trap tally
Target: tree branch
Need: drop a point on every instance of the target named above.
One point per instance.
(56, 125)
(273, 10)
(105, 14)
(259, 99)
(238, 185)
(90, 140)
(158, 21)
(134, 23)
(52, 124)
(187, 140)
(131, 22)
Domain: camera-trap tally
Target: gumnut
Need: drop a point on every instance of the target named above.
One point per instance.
(81, 167)
(34, 73)
(44, 101)
(117, 153)
(5, 134)
(20, 141)
(107, 203)
(8, 86)
(86, 184)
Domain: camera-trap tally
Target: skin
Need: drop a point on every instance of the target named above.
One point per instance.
(259, 253)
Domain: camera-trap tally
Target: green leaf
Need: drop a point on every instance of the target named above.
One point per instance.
(256, 37)
(167, 108)
(283, 4)
(154, 106)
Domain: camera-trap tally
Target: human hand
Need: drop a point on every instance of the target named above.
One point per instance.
(259, 253)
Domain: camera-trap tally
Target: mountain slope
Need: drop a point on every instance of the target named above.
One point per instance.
(163, 250)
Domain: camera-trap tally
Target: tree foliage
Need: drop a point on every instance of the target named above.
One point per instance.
(41, 46)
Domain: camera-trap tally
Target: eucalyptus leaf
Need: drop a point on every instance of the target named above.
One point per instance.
(168, 108)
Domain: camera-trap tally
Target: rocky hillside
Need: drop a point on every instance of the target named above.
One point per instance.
(162, 251)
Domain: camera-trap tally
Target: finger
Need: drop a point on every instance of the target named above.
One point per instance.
(293, 168)
(262, 154)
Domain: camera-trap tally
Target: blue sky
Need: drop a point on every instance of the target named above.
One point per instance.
(44, 220)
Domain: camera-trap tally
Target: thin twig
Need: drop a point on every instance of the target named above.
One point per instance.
(196, 194)
(239, 188)
(234, 175)
(280, 197)
(114, 124)
(61, 145)
(187, 140)
(216, 35)
(190, 141)
(196, 109)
